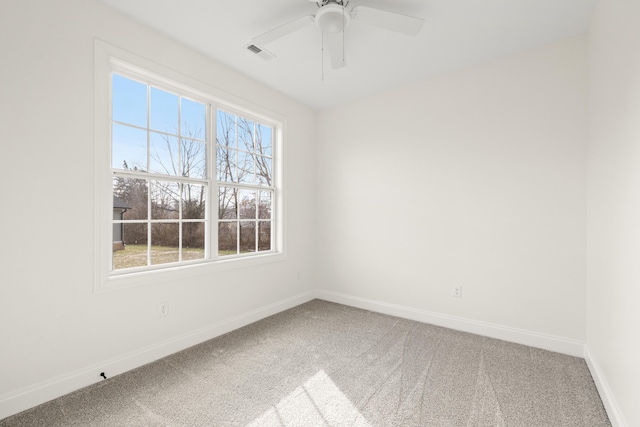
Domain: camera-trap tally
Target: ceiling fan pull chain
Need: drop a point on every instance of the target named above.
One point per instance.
(322, 57)
(343, 31)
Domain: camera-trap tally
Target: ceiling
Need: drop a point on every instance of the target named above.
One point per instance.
(456, 34)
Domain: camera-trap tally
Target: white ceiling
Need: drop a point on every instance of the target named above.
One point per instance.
(456, 34)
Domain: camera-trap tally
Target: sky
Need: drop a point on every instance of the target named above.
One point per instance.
(140, 111)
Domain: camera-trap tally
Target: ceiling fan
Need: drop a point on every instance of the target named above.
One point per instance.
(333, 18)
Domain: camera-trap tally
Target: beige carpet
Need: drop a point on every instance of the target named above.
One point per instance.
(324, 364)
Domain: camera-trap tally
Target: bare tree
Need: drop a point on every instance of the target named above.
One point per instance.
(243, 156)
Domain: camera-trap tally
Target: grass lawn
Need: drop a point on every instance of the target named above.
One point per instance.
(136, 255)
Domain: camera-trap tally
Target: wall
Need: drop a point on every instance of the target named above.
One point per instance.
(475, 178)
(613, 294)
(55, 333)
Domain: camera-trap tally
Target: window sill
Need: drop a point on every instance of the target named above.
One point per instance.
(182, 272)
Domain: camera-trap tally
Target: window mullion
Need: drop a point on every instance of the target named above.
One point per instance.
(180, 185)
(180, 214)
(160, 177)
(211, 229)
(256, 215)
(148, 181)
(148, 222)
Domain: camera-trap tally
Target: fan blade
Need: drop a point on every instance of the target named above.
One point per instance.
(409, 25)
(283, 30)
(335, 45)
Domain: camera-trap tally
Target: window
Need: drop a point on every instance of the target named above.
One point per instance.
(192, 180)
(245, 191)
(160, 182)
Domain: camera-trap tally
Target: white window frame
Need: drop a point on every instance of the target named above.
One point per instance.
(109, 59)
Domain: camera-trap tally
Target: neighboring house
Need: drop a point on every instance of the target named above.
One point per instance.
(119, 208)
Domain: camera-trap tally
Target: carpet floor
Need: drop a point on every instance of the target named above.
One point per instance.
(325, 364)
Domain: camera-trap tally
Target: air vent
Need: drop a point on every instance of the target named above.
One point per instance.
(253, 48)
(262, 53)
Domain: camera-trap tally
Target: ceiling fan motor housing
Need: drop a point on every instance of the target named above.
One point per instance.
(332, 18)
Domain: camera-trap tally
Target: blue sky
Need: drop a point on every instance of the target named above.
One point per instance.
(130, 100)
(139, 110)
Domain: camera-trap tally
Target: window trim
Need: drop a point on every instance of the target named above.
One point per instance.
(109, 58)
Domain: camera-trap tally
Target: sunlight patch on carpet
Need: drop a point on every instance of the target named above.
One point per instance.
(316, 402)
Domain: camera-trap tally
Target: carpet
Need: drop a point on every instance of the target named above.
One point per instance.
(326, 364)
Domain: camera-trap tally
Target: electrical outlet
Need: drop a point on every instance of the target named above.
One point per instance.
(457, 291)
(163, 309)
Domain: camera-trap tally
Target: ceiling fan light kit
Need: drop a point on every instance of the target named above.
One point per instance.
(333, 18)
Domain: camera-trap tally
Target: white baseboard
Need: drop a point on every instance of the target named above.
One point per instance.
(613, 411)
(28, 397)
(532, 339)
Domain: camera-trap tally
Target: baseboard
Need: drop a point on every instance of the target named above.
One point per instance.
(532, 339)
(28, 397)
(613, 411)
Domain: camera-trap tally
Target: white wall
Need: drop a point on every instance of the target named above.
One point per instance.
(613, 291)
(476, 178)
(51, 323)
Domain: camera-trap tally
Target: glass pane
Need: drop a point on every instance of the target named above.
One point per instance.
(226, 129)
(129, 198)
(227, 203)
(131, 248)
(193, 201)
(247, 207)
(129, 101)
(128, 148)
(264, 140)
(164, 111)
(226, 164)
(245, 134)
(193, 158)
(227, 238)
(192, 240)
(164, 243)
(135, 235)
(193, 115)
(263, 170)
(247, 236)
(246, 168)
(163, 154)
(264, 235)
(264, 205)
(165, 200)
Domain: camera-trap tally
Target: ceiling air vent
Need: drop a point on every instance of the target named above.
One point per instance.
(262, 53)
(253, 48)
